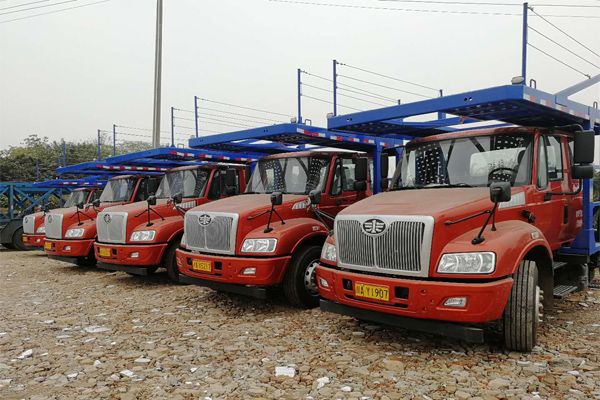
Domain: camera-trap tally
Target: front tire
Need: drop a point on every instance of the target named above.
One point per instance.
(522, 312)
(170, 262)
(17, 240)
(89, 261)
(299, 284)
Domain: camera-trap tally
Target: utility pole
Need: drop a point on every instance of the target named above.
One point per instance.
(157, 75)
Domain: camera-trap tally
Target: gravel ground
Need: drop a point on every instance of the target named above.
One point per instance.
(70, 332)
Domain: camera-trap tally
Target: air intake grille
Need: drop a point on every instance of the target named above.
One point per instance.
(53, 223)
(29, 224)
(112, 227)
(211, 232)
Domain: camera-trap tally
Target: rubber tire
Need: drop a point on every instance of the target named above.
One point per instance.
(17, 241)
(293, 282)
(520, 316)
(170, 263)
(88, 261)
(9, 246)
(151, 271)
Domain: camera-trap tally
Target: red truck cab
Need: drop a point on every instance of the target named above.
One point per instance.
(71, 232)
(271, 235)
(140, 237)
(34, 230)
(470, 233)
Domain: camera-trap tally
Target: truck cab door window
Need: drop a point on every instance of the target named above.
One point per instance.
(542, 164)
(555, 160)
(336, 185)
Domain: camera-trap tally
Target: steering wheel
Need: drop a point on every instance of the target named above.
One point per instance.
(513, 173)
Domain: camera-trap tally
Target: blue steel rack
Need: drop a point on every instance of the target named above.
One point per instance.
(300, 135)
(516, 104)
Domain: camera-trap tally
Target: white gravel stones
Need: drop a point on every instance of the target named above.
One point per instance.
(127, 373)
(96, 329)
(346, 389)
(26, 354)
(321, 382)
(97, 363)
(142, 360)
(285, 371)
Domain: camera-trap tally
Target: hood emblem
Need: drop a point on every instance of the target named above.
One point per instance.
(107, 218)
(26, 220)
(49, 219)
(204, 219)
(373, 226)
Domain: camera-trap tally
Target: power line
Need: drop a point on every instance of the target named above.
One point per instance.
(224, 123)
(366, 101)
(329, 102)
(240, 115)
(367, 95)
(24, 4)
(563, 47)
(316, 87)
(36, 7)
(54, 11)
(221, 116)
(135, 128)
(559, 29)
(388, 77)
(384, 86)
(245, 108)
(472, 3)
(317, 76)
(559, 61)
(355, 6)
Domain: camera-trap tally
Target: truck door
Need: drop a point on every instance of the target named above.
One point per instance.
(341, 193)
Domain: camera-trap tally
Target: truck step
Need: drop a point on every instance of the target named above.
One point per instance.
(561, 291)
(559, 264)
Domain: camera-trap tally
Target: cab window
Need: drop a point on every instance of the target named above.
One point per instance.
(542, 164)
(343, 180)
(555, 160)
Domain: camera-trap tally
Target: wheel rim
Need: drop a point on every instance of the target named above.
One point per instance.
(539, 304)
(310, 277)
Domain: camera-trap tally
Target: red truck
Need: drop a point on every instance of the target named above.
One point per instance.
(271, 235)
(34, 230)
(139, 238)
(473, 231)
(71, 232)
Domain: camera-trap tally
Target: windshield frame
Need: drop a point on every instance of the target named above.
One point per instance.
(259, 185)
(109, 189)
(527, 164)
(183, 172)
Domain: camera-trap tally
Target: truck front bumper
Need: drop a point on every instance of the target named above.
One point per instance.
(135, 255)
(232, 274)
(422, 299)
(68, 248)
(33, 240)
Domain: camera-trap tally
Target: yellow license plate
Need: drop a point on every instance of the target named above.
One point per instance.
(104, 252)
(201, 266)
(374, 292)
(47, 246)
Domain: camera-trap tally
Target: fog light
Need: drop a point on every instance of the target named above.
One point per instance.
(135, 255)
(38, 240)
(67, 248)
(323, 283)
(458, 302)
(249, 271)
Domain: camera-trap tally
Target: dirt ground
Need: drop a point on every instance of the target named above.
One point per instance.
(71, 332)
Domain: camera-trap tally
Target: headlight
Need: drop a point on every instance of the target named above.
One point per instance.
(142, 236)
(259, 245)
(41, 229)
(74, 233)
(467, 263)
(329, 252)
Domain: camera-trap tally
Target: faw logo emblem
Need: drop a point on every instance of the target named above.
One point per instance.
(204, 219)
(374, 226)
(107, 218)
(49, 219)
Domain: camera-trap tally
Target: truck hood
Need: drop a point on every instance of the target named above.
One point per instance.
(249, 203)
(441, 202)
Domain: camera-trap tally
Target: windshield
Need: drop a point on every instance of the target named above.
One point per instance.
(293, 175)
(118, 190)
(190, 183)
(76, 197)
(473, 161)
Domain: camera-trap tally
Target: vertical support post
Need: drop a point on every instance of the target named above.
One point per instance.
(64, 151)
(173, 126)
(524, 44)
(114, 140)
(334, 88)
(376, 179)
(157, 75)
(299, 96)
(441, 115)
(99, 145)
(11, 200)
(196, 114)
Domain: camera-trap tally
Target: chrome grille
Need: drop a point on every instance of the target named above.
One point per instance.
(53, 223)
(402, 248)
(29, 224)
(211, 231)
(112, 227)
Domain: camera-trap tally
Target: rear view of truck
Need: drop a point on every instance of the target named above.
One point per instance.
(139, 238)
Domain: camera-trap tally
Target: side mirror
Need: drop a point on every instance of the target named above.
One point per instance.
(500, 192)
(360, 174)
(151, 200)
(177, 198)
(582, 171)
(96, 203)
(315, 197)
(277, 198)
(583, 147)
(46, 208)
(80, 205)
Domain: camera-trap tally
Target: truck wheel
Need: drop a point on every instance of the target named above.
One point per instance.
(8, 246)
(299, 284)
(522, 312)
(170, 263)
(17, 240)
(88, 261)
